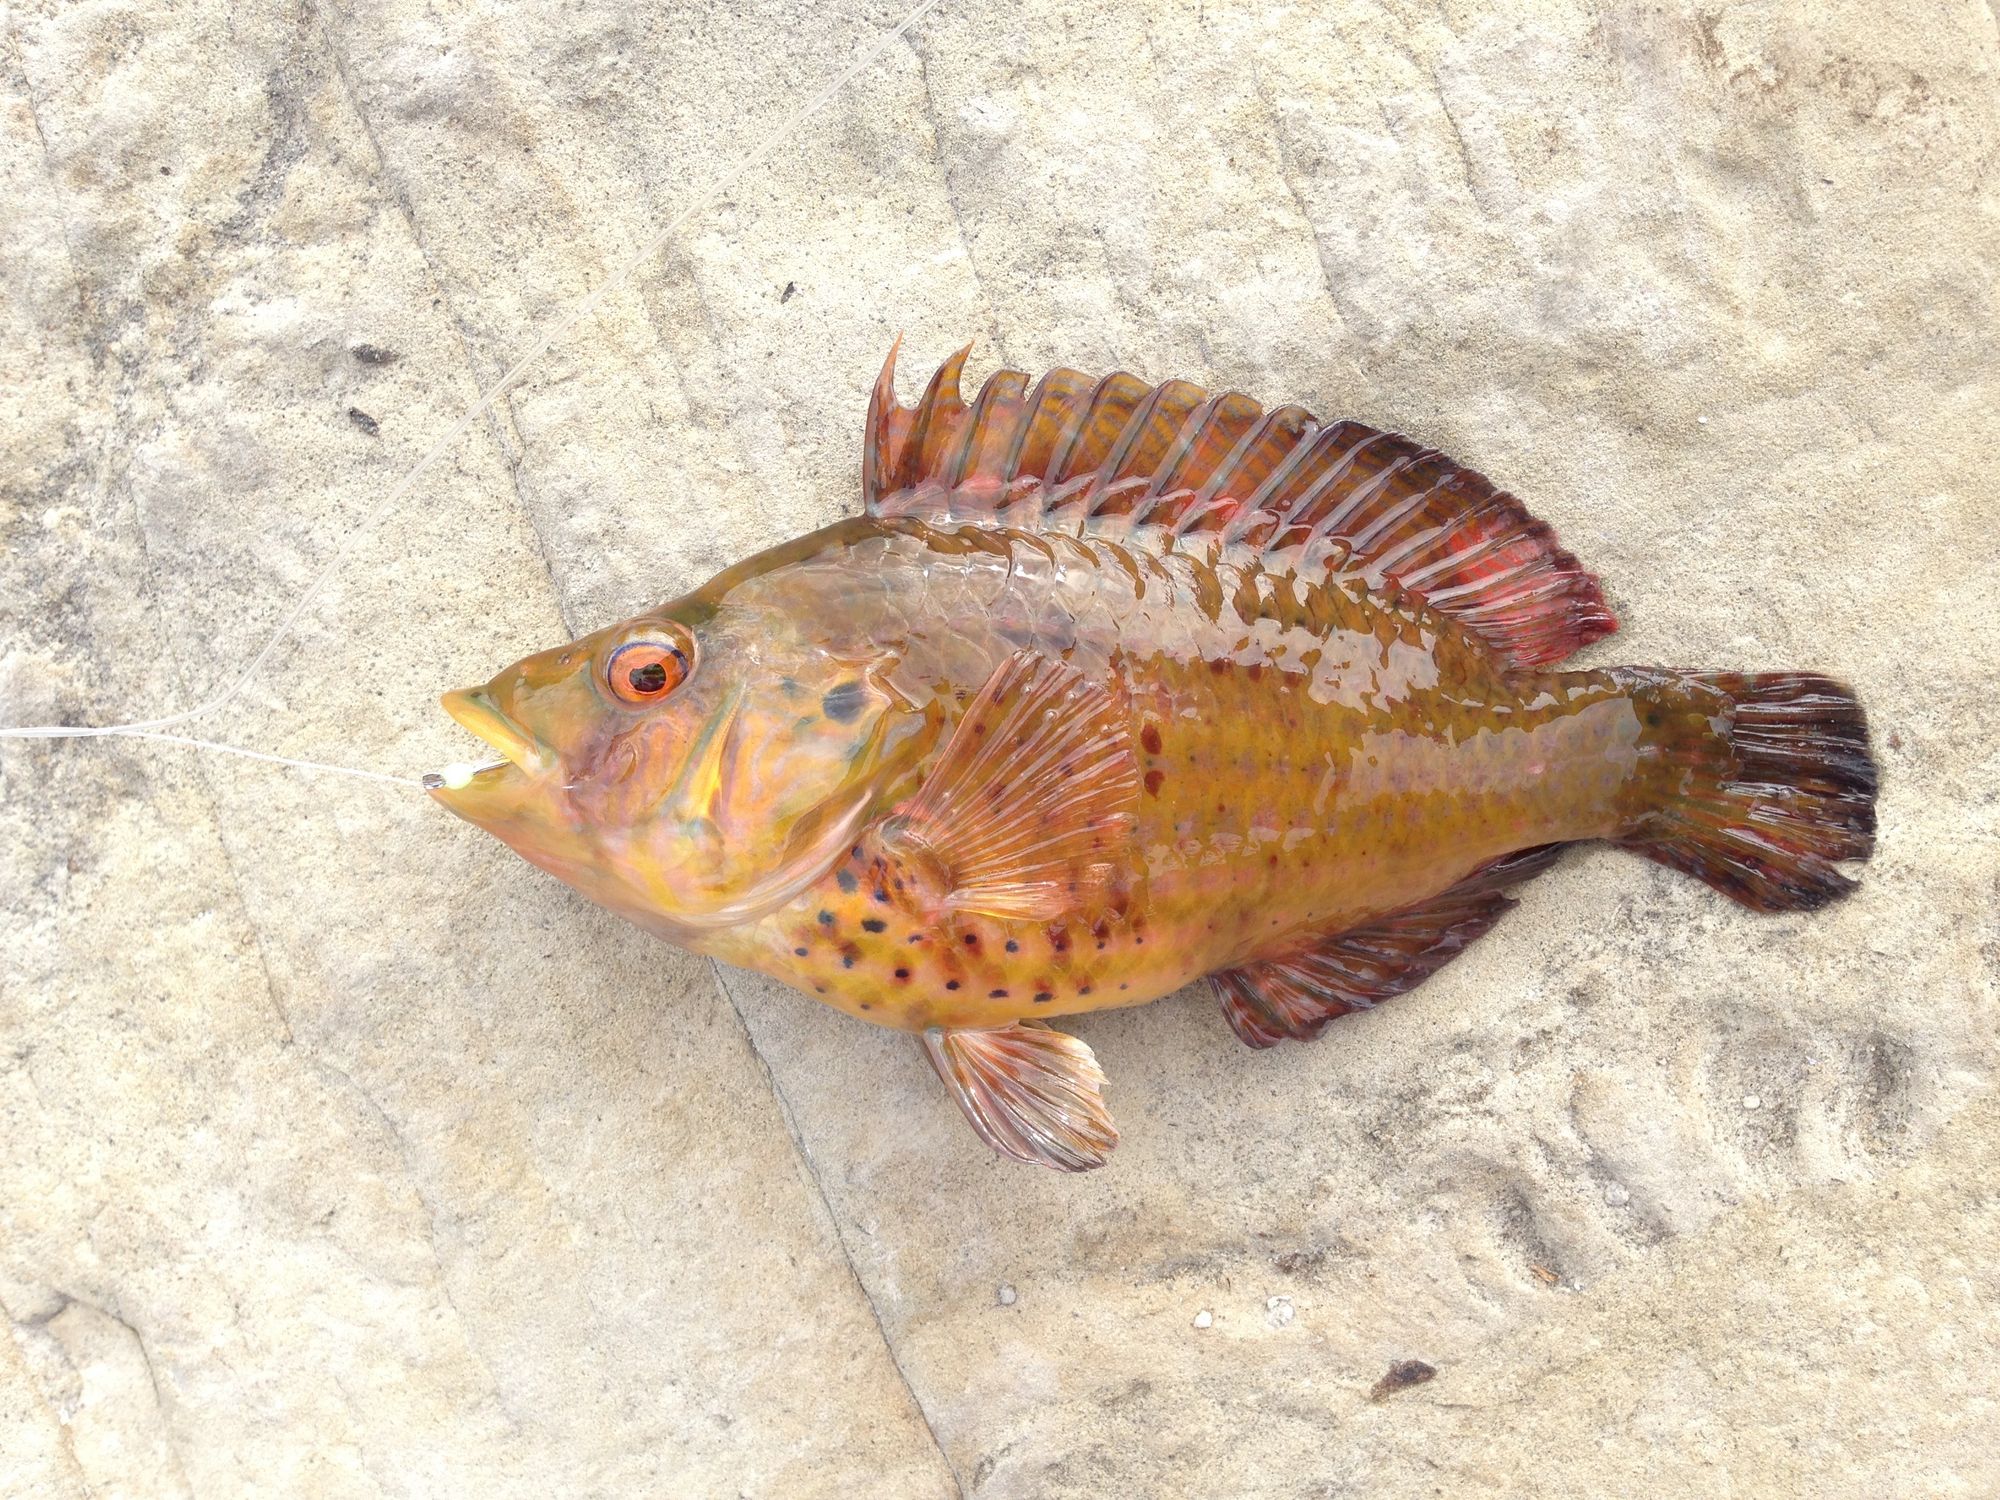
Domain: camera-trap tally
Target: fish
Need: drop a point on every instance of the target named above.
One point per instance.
(1115, 686)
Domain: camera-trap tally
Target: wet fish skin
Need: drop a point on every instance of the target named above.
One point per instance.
(1117, 686)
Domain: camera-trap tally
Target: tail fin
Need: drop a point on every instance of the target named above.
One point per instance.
(1766, 782)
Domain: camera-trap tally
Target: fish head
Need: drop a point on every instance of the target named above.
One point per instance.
(695, 767)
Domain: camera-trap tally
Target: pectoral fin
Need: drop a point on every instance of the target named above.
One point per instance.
(1029, 810)
(1033, 1094)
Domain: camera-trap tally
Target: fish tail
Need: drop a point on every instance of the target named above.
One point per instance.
(1758, 783)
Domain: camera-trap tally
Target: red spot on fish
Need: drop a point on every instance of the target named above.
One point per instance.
(1150, 738)
(1154, 778)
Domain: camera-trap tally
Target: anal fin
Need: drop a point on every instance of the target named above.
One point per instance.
(1294, 997)
(1028, 810)
(1033, 1094)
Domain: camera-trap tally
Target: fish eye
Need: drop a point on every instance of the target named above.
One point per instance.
(646, 671)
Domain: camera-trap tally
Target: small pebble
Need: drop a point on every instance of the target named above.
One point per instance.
(1753, 1101)
(1008, 1296)
(1617, 1194)
(1203, 1318)
(1278, 1311)
(1702, 420)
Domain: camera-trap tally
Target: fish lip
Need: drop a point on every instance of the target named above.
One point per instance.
(474, 710)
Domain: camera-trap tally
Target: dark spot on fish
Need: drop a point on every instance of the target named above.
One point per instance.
(362, 420)
(1059, 944)
(819, 989)
(846, 881)
(996, 994)
(882, 895)
(847, 960)
(951, 984)
(972, 940)
(373, 354)
(866, 1006)
(1150, 738)
(826, 919)
(1084, 990)
(800, 951)
(916, 937)
(842, 702)
(1012, 946)
(902, 973)
(1043, 997)
(1123, 985)
(873, 924)
(1153, 779)
(855, 851)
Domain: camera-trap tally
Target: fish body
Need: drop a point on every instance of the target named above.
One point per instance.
(1114, 687)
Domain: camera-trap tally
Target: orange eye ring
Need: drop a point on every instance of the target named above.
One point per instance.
(642, 672)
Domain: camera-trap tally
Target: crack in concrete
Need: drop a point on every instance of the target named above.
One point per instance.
(951, 194)
(1287, 174)
(805, 1157)
(1472, 184)
(512, 455)
(20, 71)
(70, 1299)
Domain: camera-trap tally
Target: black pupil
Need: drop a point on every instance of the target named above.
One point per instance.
(648, 679)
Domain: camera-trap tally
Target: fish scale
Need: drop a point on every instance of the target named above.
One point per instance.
(1117, 686)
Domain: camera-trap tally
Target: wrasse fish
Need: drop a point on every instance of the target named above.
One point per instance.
(1114, 686)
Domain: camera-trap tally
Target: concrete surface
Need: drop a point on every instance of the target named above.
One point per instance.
(341, 1154)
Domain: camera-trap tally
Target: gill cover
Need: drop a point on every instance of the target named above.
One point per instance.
(695, 768)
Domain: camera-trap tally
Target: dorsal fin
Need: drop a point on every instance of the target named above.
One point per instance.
(1172, 456)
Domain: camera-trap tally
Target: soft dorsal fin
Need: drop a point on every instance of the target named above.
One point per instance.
(1293, 998)
(1172, 456)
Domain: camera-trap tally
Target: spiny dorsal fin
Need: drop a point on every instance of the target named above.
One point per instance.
(1028, 809)
(1294, 998)
(1174, 457)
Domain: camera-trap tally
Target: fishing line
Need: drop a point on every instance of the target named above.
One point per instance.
(279, 760)
(712, 190)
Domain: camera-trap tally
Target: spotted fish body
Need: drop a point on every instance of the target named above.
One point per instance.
(1114, 687)
(1311, 756)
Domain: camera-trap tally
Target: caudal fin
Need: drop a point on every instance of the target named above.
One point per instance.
(1766, 784)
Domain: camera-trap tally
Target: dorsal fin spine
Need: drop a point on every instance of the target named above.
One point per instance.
(941, 397)
(1168, 477)
(1011, 466)
(1172, 462)
(1129, 436)
(1079, 423)
(1331, 437)
(1225, 472)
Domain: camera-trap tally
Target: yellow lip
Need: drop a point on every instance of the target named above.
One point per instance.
(475, 710)
(474, 795)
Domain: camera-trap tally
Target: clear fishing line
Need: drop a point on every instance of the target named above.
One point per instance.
(149, 729)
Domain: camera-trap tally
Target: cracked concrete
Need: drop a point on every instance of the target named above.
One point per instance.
(407, 1173)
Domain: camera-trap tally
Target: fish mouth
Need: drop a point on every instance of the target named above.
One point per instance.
(474, 710)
